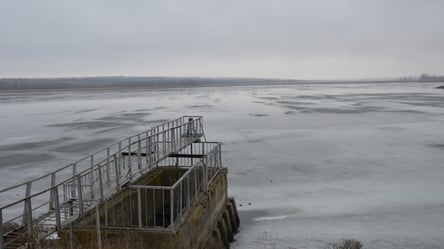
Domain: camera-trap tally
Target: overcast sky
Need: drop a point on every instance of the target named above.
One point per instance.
(301, 39)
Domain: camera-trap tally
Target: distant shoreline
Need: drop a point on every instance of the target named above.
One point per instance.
(158, 83)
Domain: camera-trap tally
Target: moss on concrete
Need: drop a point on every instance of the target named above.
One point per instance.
(194, 233)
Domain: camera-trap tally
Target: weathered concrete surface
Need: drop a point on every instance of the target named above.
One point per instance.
(195, 232)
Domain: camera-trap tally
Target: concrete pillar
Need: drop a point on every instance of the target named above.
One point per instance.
(228, 225)
(231, 215)
(223, 232)
(234, 207)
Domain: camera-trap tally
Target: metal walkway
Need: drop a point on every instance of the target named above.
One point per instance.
(44, 205)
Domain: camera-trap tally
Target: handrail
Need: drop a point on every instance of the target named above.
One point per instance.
(168, 203)
(109, 146)
(156, 143)
(87, 157)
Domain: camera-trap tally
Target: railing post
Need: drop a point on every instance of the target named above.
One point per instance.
(108, 169)
(51, 194)
(130, 170)
(139, 207)
(191, 152)
(1, 230)
(91, 179)
(205, 175)
(157, 148)
(100, 182)
(154, 208)
(147, 152)
(79, 190)
(26, 204)
(120, 155)
(139, 152)
(116, 168)
(201, 132)
(172, 208)
(173, 140)
(189, 189)
(99, 236)
(220, 154)
(73, 187)
(150, 150)
(55, 193)
(29, 216)
(195, 182)
(164, 148)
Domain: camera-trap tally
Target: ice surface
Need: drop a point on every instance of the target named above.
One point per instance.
(308, 164)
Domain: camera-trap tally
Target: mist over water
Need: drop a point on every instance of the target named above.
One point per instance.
(308, 164)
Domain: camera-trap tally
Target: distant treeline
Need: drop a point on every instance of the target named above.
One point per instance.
(431, 78)
(128, 82)
(170, 82)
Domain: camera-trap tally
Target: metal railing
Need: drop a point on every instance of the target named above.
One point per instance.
(41, 206)
(163, 207)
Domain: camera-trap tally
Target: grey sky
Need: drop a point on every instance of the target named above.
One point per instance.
(302, 39)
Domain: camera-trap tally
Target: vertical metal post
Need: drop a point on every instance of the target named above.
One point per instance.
(99, 171)
(51, 194)
(116, 168)
(180, 198)
(195, 181)
(203, 148)
(29, 216)
(172, 208)
(163, 207)
(154, 208)
(202, 129)
(130, 171)
(55, 192)
(91, 179)
(65, 194)
(108, 169)
(189, 199)
(220, 155)
(173, 140)
(120, 155)
(26, 203)
(139, 207)
(79, 190)
(99, 236)
(157, 147)
(130, 207)
(150, 150)
(139, 152)
(205, 175)
(147, 151)
(1, 230)
(164, 143)
(168, 138)
(191, 147)
(73, 187)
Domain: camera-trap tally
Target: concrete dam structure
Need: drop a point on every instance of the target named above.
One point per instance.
(163, 188)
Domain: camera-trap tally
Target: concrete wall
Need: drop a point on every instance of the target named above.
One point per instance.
(198, 228)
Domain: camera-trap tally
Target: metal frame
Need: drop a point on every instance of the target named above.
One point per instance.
(92, 179)
(180, 196)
